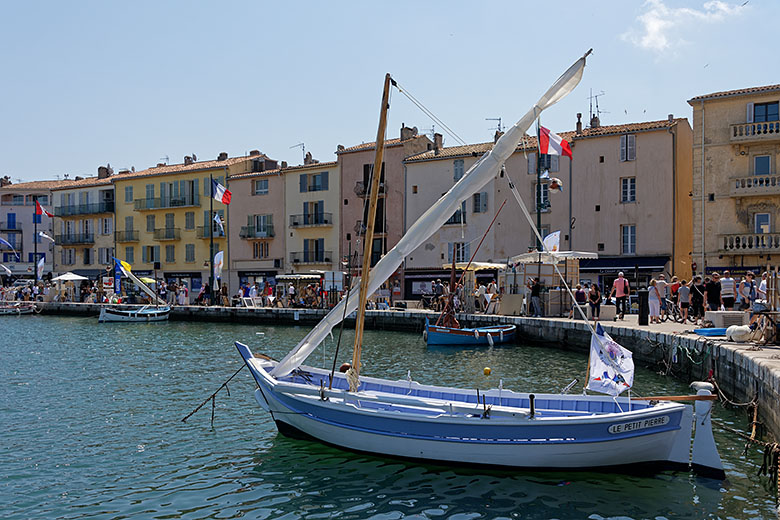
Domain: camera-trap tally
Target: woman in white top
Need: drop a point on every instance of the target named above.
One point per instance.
(654, 299)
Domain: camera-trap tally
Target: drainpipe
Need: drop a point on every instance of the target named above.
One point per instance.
(673, 131)
(703, 259)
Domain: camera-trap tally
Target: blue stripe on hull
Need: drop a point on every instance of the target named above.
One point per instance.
(443, 338)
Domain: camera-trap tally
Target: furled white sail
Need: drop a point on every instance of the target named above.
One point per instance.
(478, 175)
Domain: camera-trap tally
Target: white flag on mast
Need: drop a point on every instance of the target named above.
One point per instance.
(611, 366)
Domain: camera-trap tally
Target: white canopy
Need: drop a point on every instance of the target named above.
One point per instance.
(476, 266)
(551, 257)
(69, 277)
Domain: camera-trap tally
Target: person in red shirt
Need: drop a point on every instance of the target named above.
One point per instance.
(620, 290)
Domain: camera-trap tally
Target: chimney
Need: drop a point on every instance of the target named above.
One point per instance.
(594, 121)
(254, 153)
(497, 136)
(437, 143)
(187, 160)
(284, 164)
(103, 172)
(579, 123)
(78, 178)
(222, 156)
(161, 164)
(5, 181)
(671, 118)
(307, 159)
(340, 148)
(408, 132)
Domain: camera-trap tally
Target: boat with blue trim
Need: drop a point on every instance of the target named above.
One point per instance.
(489, 335)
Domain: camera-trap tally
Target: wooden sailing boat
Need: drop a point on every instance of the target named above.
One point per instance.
(155, 312)
(498, 427)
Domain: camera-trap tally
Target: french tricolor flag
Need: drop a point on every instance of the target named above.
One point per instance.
(219, 192)
(553, 144)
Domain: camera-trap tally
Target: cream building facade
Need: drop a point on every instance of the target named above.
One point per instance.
(736, 187)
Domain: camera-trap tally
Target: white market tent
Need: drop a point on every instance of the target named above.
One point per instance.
(69, 277)
(552, 257)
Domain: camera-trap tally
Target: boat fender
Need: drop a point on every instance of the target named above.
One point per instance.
(486, 371)
(489, 338)
(501, 335)
(476, 333)
(344, 367)
(531, 398)
(425, 334)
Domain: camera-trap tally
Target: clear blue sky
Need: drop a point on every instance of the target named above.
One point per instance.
(90, 82)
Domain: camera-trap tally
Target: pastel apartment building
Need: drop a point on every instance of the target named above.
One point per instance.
(736, 187)
(84, 224)
(17, 225)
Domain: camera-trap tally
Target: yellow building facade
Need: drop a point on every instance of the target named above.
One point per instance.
(164, 223)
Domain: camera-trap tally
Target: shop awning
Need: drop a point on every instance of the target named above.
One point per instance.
(624, 263)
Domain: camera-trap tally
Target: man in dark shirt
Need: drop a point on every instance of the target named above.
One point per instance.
(712, 293)
(536, 297)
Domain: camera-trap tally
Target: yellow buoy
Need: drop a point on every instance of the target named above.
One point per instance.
(486, 371)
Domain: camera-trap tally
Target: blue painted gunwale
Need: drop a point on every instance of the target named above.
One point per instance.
(437, 335)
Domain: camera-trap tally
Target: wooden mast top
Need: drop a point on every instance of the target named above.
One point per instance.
(369, 233)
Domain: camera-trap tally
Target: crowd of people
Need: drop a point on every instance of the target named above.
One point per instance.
(482, 295)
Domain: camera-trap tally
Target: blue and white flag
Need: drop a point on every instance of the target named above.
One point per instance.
(41, 264)
(218, 262)
(552, 242)
(611, 366)
(7, 243)
(219, 223)
(545, 175)
(44, 235)
(7, 271)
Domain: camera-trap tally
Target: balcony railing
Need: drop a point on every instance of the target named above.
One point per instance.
(14, 226)
(360, 228)
(311, 257)
(361, 190)
(74, 239)
(746, 243)
(84, 209)
(158, 203)
(752, 132)
(257, 232)
(167, 234)
(203, 232)
(127, 236)
(755, 185)
(311, 219)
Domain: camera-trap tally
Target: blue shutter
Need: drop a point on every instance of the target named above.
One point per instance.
(143, 254)
(305, 250)
(324, 180)
(483, 202)
(449, 251)
(305, 213)
(303, 183)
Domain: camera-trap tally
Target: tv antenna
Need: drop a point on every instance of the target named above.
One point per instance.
(500, 128)
(303, 148)
(429, 131)
(166, 159)
(594, 102)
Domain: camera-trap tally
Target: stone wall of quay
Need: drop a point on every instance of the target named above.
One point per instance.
(742, 371)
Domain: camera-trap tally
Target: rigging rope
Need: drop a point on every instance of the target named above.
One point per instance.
(429, 113)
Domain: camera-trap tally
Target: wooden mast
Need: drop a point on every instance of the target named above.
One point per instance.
(369, 234)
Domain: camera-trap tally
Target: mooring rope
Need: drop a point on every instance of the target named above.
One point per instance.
(213, 396)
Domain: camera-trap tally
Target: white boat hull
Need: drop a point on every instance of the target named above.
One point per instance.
(439, 424)
(134, 314)
(17, 309)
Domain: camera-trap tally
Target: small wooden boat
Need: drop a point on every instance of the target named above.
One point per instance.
(17, 308)
(496, 334)
(133, 313)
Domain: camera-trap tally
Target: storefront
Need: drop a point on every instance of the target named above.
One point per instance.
(417, 283)
(192, 280)
(262, 278)
(637, 269)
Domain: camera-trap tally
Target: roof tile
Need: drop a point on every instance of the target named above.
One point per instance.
(738, 92)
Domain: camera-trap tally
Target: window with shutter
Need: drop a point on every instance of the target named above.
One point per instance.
(631, 148)
(457, 169)
(554, 163)
(623, 148)
(749, 115)
(324, 181)
(449, 251)
(531, 163)
(303, 183)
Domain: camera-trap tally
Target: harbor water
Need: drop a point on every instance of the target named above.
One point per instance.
(92, 427)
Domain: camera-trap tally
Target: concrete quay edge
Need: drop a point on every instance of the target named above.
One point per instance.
(741, 370)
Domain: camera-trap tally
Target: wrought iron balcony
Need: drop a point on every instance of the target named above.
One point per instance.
(311, 219)
(167, 234)
(311, 257)
(127, 236)
(74, 239)
(361, 189)
(13, 226)
(257, 232)
(747, 243)
(748, 185)
(164, 203)
(755, 132)
(84, 209)
(203, 232)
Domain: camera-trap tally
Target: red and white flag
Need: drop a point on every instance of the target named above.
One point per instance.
(40, 211)
(553, 144)
(219, 192)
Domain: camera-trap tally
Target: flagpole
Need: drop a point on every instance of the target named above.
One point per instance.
(35, 243)
(211, 240)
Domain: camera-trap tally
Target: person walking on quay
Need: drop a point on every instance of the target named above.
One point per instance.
(684, 299)
(712, 293)
(697, 299)
(728, 291)
(536, 297)
(674, 288)
(761, 291)
(747, 292)
(579, 298)
(620, 290)
(654, 301)
(663, 289)
(594, 300)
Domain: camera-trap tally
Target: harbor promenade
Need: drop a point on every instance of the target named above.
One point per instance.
(744, 372)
